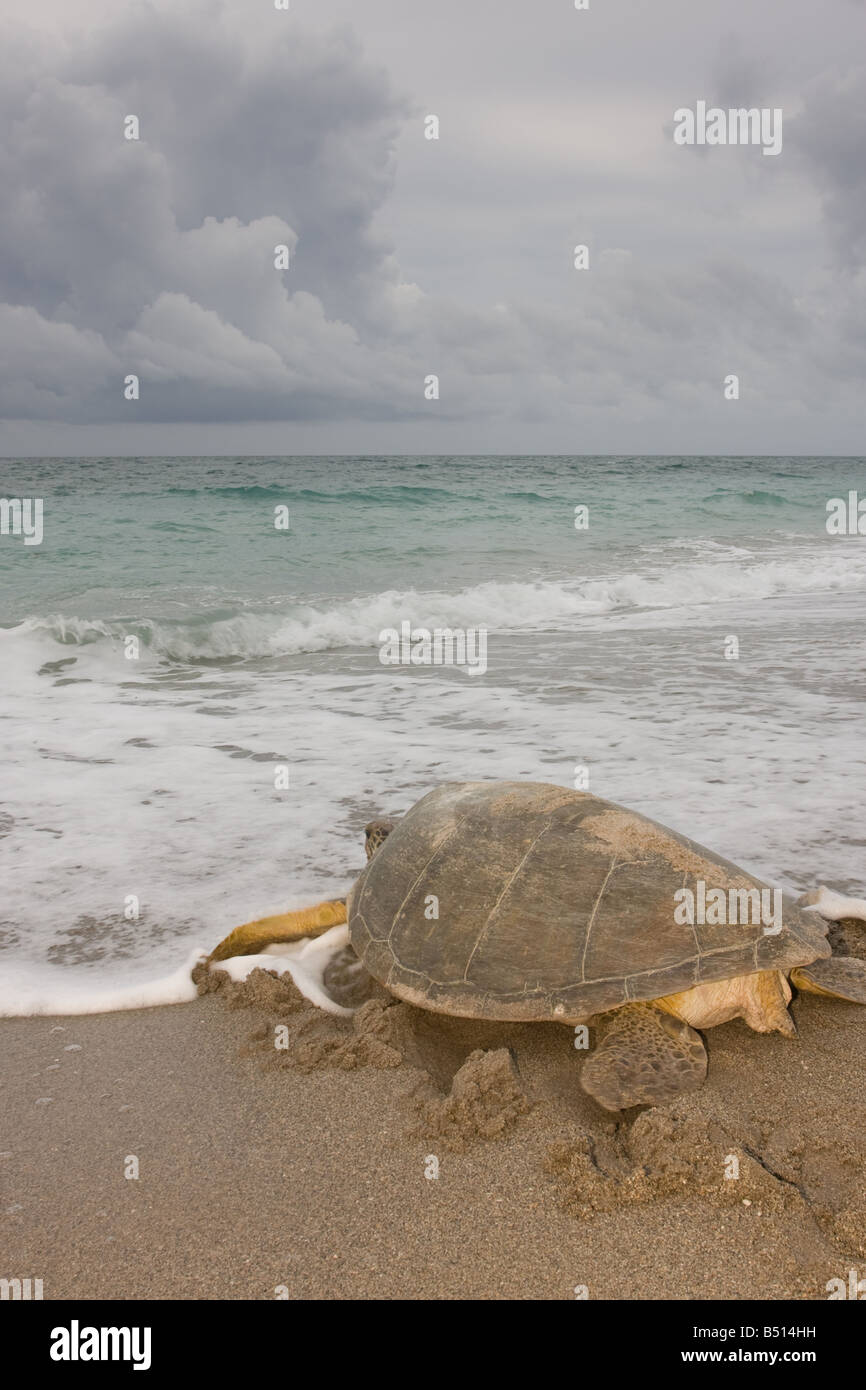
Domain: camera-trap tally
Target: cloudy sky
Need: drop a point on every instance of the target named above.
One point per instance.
(411, 256)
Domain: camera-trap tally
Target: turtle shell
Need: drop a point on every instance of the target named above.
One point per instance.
(521, 900)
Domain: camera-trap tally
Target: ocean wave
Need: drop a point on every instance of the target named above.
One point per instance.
(498, 606)
(753, 496)
(286, 492)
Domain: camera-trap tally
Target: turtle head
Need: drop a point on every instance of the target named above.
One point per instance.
(374, 835)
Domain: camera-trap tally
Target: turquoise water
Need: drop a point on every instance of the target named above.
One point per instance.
(154, 775)
(181, 534)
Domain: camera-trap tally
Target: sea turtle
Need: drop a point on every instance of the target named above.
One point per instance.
(531, 902)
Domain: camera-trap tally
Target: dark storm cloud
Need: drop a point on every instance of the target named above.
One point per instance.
(155, 257)
(830, 136)
(164, 247)
(300, 128)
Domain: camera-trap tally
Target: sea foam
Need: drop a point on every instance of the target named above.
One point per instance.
(498, 606)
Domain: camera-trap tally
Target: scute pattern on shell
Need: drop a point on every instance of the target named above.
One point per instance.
(551, 904)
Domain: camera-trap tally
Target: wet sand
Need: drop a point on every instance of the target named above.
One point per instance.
(300, 1171)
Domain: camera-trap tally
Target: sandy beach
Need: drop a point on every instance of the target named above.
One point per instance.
(301, 1171)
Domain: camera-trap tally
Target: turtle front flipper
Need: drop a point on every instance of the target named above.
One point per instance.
(252, 937)
(645, 1057)
(839, 977)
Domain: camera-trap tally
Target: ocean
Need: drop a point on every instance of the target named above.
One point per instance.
(696, 653)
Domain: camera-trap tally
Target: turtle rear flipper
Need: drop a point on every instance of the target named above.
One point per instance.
(646, 1057)
(840, 977)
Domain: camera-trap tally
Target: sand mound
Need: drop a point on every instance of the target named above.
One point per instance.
(260, 990)
(301, 1037)
(668, 1150)
(485, 1100)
